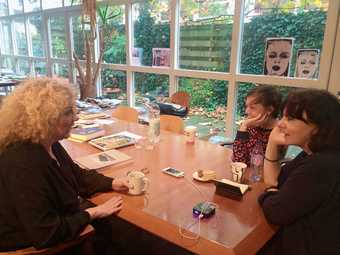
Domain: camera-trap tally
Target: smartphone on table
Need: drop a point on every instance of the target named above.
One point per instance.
(174, 172)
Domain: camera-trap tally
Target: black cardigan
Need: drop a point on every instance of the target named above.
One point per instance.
(39, 200)
(307, 205)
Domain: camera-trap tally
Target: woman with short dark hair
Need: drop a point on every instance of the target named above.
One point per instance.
(303, 197)
(262, 109)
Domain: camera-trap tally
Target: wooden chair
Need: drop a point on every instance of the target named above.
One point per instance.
(126, 113)
(172, 123)
(182, 98)
(84, 235)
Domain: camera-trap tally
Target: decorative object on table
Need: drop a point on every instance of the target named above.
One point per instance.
(115, 141)
(307, 63)
(91, 29)
(278, 56)
(102, 159)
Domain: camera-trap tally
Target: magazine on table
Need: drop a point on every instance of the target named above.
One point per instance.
(115, 141)
(102, 159)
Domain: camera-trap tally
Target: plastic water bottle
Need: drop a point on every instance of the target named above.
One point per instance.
(256, 162)
(154, 122)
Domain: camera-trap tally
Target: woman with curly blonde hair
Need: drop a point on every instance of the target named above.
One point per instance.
(41, 187)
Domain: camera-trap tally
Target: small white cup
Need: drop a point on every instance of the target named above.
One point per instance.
(190, 133)
(237, 171)
(138, 181)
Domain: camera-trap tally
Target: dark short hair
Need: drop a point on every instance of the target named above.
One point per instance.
(267, 96)
(321, 109)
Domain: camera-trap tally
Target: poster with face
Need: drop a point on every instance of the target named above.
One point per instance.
(278, 56)
(307, 63)
(160, 57)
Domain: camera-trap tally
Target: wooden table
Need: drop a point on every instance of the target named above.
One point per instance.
(238, 227)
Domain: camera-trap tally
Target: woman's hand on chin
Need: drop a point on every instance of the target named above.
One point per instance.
(259, 120)
(277, 137)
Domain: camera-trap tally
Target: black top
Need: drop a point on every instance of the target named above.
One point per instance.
(39, 203)
(307, 205)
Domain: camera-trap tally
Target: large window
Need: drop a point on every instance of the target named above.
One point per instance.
(151, 33)
(20, 37)
(58, 37)
(303, 22)
(205, 34)
(213, 49)
(35, 29)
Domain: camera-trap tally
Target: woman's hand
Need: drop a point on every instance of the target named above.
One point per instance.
(277, 137)
(120, 184)
(257, 121)
(108, 208)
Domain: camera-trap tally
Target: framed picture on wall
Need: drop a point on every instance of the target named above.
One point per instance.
(278, 54)
(307, 63)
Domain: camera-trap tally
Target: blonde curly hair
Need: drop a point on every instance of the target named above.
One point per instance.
(32, 110)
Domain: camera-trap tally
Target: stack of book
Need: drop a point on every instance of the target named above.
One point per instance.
(92, 113)
(86, 133)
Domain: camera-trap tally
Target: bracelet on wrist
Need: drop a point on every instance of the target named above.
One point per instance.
(271, 187)
(272, 160)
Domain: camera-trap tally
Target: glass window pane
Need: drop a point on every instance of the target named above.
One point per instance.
(112, 24)
(17, 6)
(48, 4)
(3, 8)
(78, 37)
(207, 105)
(60, 70)
(205, 34)
(303, 21)
(72, 2)
(155, 86)
(58, 36)
(8, 63)
(24, 67)
(114, 84)
(20, 37)
(40, 69)
(35, 28)
(6, 42)
(31, 5)
(151, 33)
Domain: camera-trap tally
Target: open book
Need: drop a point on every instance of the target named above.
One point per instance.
(102, 159)
(115, 141)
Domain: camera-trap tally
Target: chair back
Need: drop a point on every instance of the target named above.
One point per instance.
(182, 98)
(172, 123)
(84, 236)
(126, 113)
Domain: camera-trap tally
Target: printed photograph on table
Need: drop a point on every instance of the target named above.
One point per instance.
(307, 63)
(278, 56)
(115, 141)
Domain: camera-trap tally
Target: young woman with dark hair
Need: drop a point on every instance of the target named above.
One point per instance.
(262, 109)
(303, 197)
